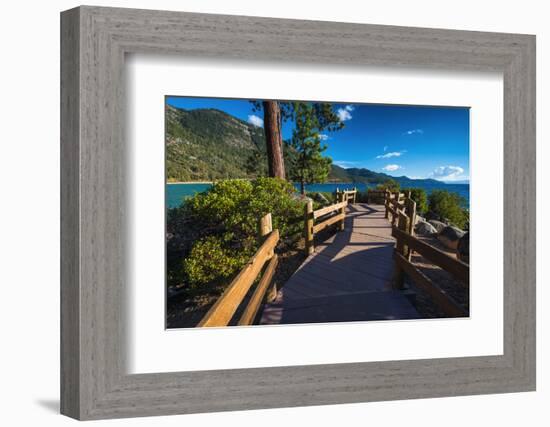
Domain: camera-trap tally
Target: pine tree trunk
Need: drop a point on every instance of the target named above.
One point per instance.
(302, 188)
(273, 139)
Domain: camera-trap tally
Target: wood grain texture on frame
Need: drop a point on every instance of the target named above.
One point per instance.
(94, 270)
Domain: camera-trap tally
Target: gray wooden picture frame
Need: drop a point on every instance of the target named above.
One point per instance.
(94, 382)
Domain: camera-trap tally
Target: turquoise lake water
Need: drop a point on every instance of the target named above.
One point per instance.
(176, 193)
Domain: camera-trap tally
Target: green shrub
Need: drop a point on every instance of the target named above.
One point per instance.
(224, 206)
(213, 234)
(389, 184)
(420, 197)
(321, 198)
(330, 196)
(221, 261)
(448, 205)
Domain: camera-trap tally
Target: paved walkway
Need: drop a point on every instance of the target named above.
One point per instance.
(347, 278)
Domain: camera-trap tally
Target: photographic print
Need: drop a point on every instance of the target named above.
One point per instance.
(293, 212)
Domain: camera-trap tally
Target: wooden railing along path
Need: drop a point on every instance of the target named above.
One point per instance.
(342, 198)
(221, 313)
(403, 211)
(348, 194)
(399, 209)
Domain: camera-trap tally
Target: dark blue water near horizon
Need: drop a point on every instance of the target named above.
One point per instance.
(176, 193)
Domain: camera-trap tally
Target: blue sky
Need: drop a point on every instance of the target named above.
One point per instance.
(416, 141)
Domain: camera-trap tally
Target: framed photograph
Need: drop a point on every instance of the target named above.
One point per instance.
(262, 213)
(314, 194)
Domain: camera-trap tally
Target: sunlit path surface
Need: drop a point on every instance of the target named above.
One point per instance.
(347, 278)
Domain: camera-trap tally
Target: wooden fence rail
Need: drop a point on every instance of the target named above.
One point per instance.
(310, 216)
(348, 194)
(406, 243)
(457, 268)
(395, 201)
(221, 313)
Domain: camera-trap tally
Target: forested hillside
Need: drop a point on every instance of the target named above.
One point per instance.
(209, 144)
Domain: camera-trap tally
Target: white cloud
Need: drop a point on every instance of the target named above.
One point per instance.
(385, 148)
(323, 137)
(345, 113)
(413, 131)
(391, 154)
(256, 121)
(345, 163)
(448, 173)
(391, 168)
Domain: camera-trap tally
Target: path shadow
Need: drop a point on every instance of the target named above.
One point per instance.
(353, 288)
(352, 209)
(342, 239)
(341, 284)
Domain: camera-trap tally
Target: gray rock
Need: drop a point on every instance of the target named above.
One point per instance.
(424, 228)
(320, 198)
(450, 236)
(430, 215)
(463, 248)
(300, 197)
(438, 225)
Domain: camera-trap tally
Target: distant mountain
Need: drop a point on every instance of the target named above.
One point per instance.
(209, 144)
(362, 175)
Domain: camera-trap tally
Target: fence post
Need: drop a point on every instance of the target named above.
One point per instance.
(341, 198)
(394, 203)
(265, 228)
(266, 225)
(308, 222)
(411, 212)
(403, 225)
(397, 195)
(355, 195)
(387, 203)
(400, 248)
